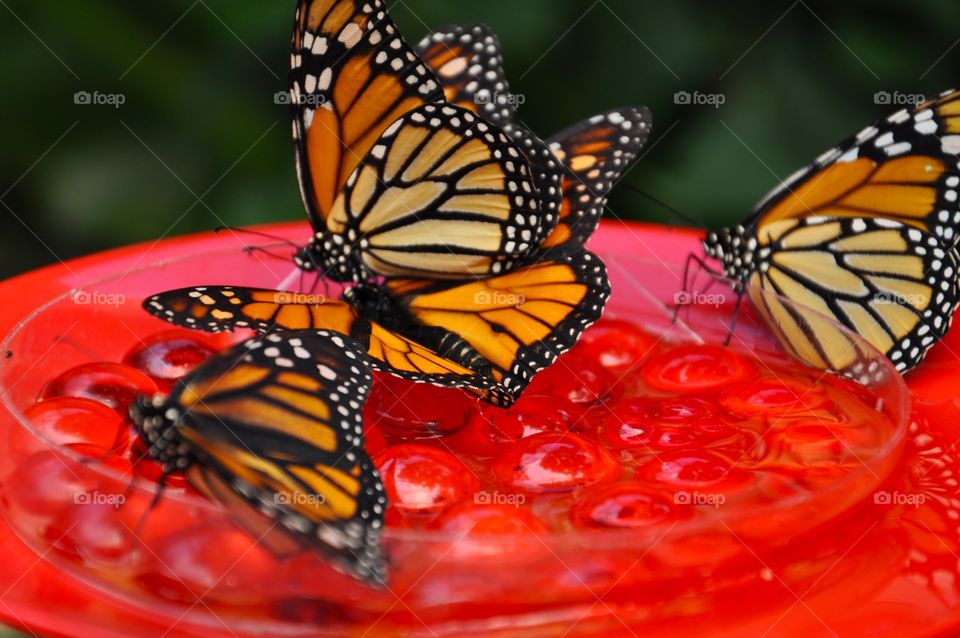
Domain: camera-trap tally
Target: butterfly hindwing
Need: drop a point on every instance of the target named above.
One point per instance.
(351, 76)
(272, 428)
(596, 154)
(890, 283)
(520, 321)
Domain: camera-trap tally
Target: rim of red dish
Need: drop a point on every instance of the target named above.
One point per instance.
(625, 535)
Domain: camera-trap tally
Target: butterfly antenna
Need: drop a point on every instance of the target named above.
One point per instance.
(264, 251)
(257, 233)
(679, 213)
(79, 347)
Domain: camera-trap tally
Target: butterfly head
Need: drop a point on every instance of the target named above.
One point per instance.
(334, 257)
(734, 249)
(156, 422)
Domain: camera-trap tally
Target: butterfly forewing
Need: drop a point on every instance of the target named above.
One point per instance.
(273, 429)
(351, 76)
(468, 63)
(904, 167)
(228, 308)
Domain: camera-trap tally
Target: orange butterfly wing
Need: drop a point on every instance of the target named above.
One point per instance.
(902, 168)
(351, 76)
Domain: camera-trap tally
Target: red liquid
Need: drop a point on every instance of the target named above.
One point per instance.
(681, 452)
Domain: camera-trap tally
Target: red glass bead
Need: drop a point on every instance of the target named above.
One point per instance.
(424, 480)
(114, 384)
(695, 368)
(66, 420)
(617, 345)
(771, 397)
(693, 469)
(552, 463)
(573, 378)
(167, 356)
(625, 505)
(490, 427)
(406, 410)
(215, 561)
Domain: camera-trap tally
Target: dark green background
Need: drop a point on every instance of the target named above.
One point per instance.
(199, 80)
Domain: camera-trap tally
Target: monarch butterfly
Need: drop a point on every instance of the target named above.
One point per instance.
(396, 181)
(272, 429)
(594, 153)
(865, 235)
(436, 317)
(489, 335)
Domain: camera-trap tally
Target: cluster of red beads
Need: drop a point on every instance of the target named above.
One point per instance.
(624, 431)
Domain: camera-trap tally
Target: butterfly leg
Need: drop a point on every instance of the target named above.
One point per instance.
(740, 290)
(684, 292)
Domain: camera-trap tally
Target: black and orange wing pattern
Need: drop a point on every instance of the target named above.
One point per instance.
(595, 154)
(229, 308)
(866, 235)
(469, 65)
(519, 322)
(890, 283)
(904, 167)
(443, 194)
(351, 76)
(272, 428)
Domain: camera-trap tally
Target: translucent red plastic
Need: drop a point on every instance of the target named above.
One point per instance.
(697, 486)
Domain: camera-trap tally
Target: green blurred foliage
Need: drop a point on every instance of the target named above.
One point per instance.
(200, 142)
